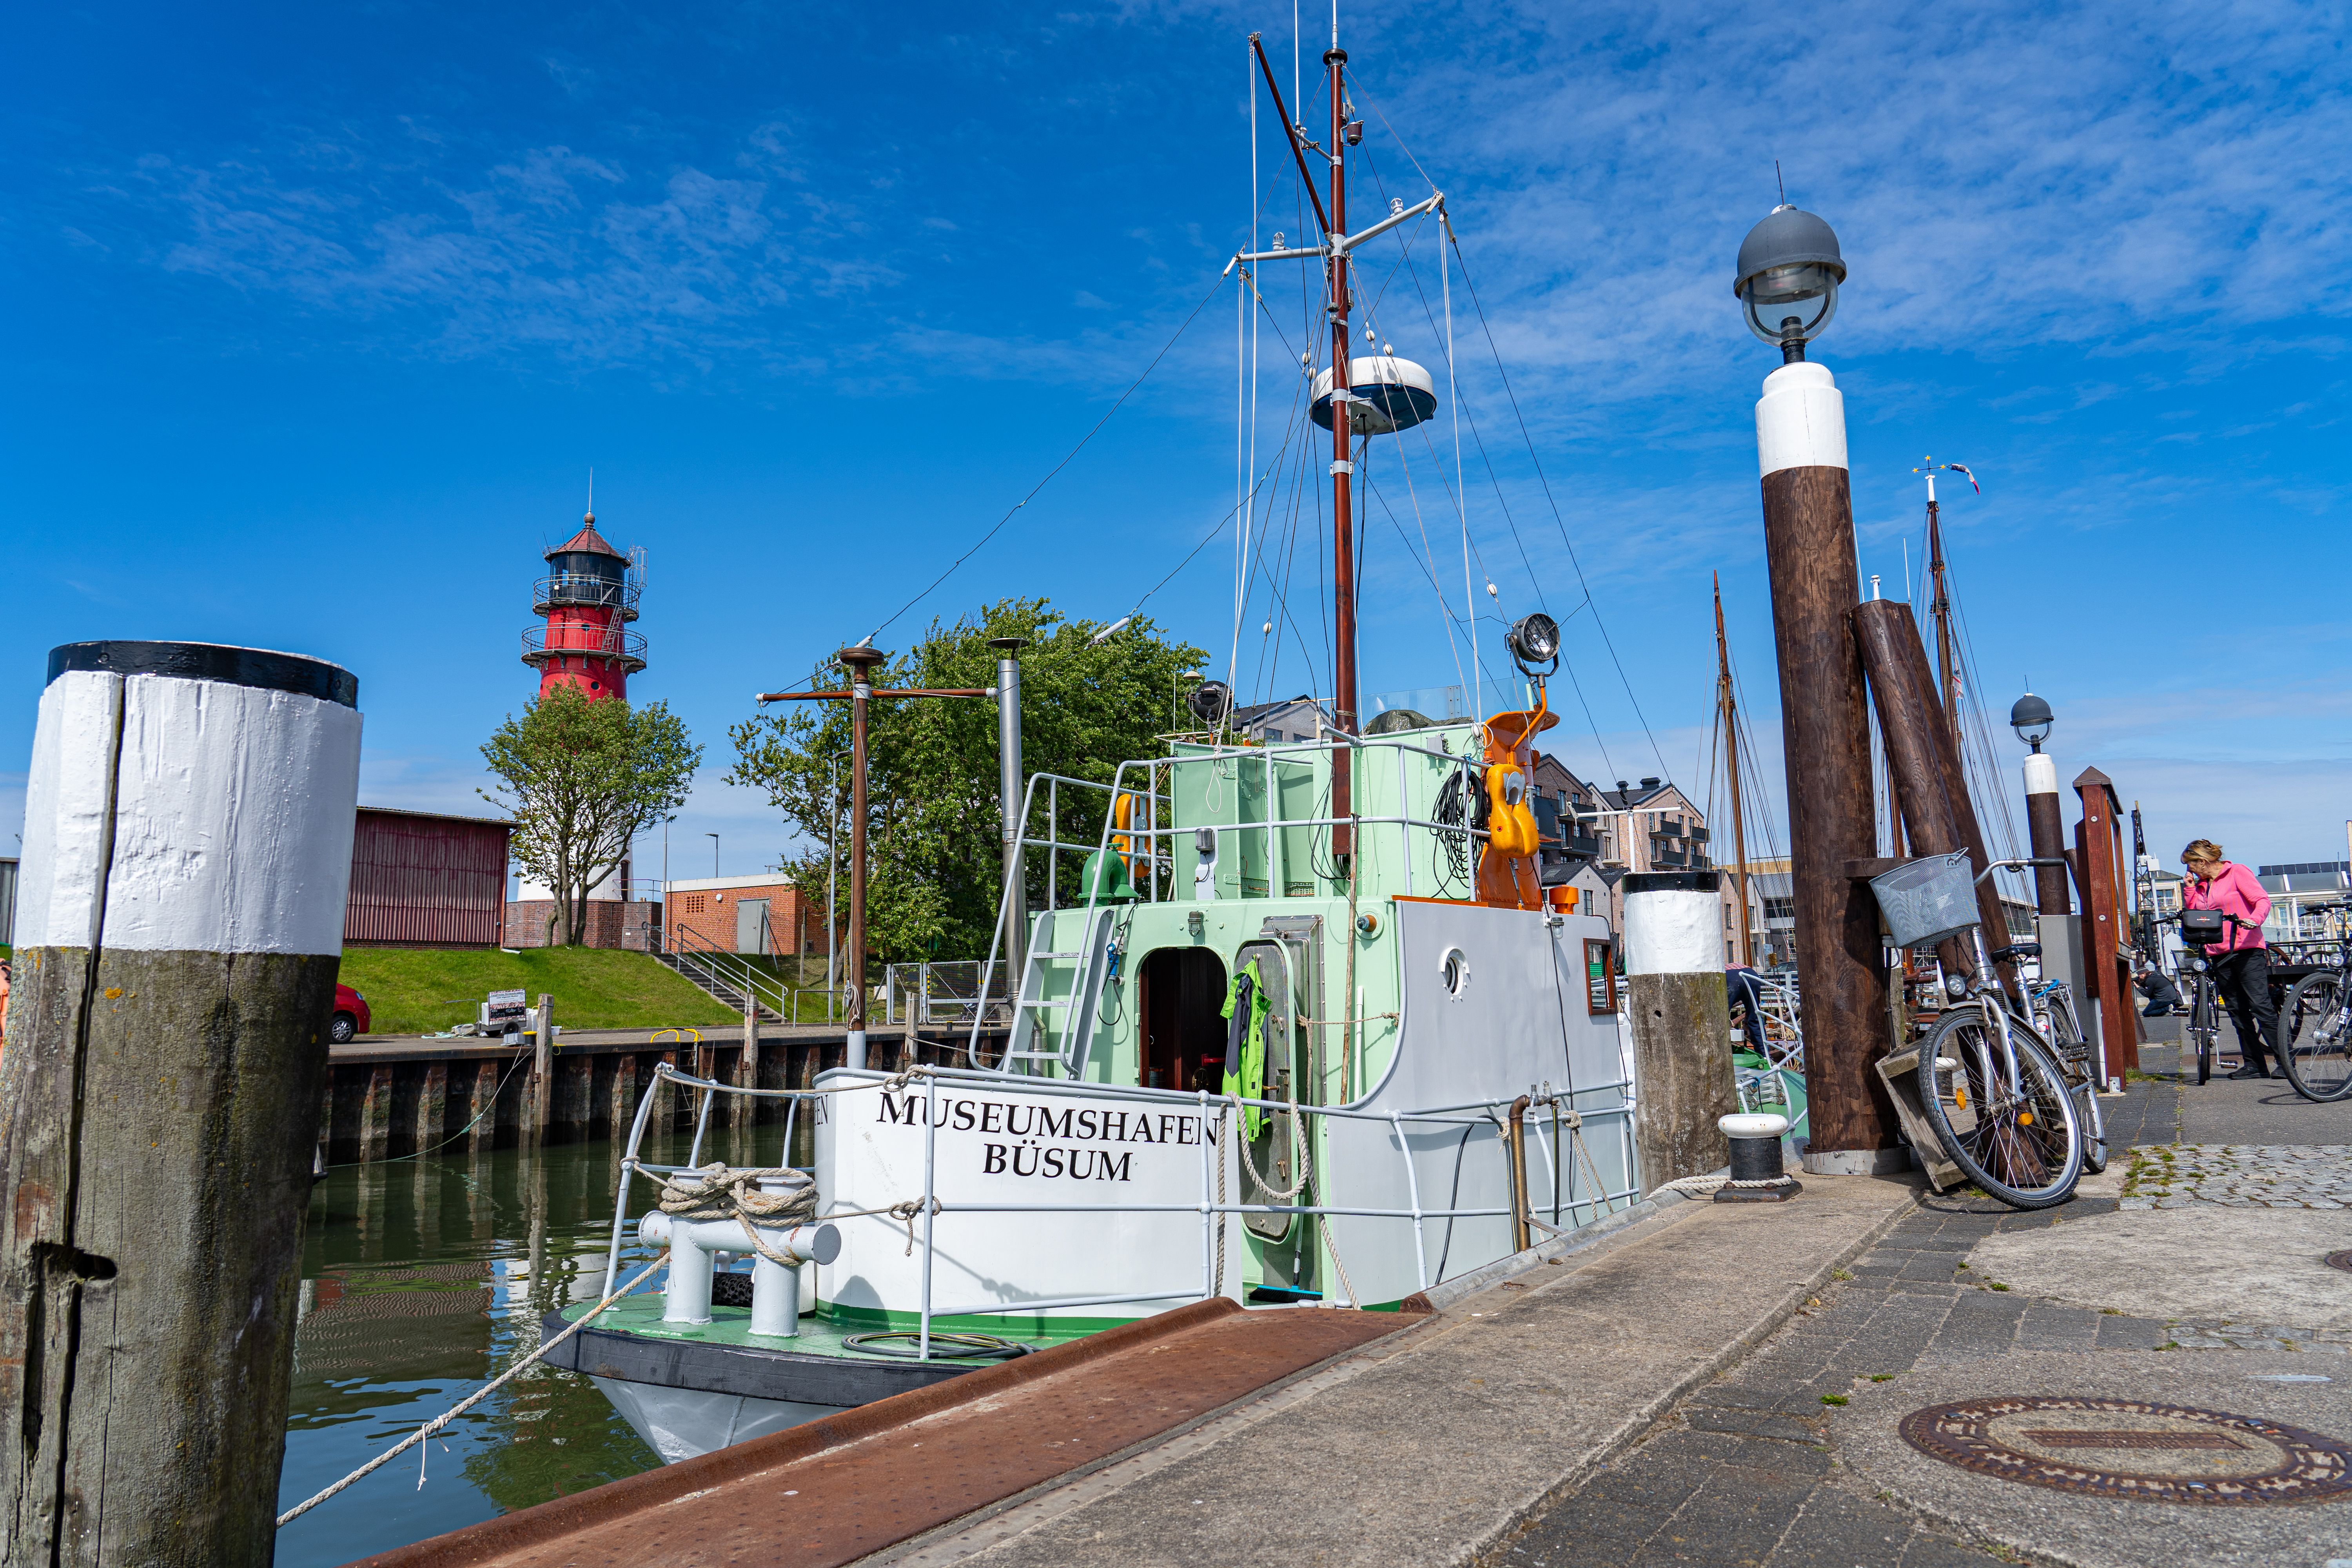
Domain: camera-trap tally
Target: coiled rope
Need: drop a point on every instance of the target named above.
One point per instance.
(721, 1191)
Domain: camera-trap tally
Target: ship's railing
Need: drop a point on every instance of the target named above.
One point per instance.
(1139, 843)
(1228, 1110)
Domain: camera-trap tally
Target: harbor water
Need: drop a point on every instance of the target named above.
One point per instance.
(424, 1279)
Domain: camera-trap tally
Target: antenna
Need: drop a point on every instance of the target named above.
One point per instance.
(1779, 182)
(592, 491)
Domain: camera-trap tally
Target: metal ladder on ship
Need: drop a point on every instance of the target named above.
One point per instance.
(1034, 1038)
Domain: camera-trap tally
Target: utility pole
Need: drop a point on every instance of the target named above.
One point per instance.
(831, 880)
(859, 661)
(1726, 704)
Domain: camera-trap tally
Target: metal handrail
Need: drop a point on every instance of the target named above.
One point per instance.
(1229, 1110)
(728, 969)
(578, 588)
(920, 982)
(614, 642)
(1146, 833)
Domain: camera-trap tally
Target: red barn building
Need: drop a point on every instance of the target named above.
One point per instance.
(419, 879)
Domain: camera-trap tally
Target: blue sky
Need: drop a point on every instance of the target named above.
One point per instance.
(323, 316)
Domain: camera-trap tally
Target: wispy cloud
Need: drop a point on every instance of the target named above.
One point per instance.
(550, 249)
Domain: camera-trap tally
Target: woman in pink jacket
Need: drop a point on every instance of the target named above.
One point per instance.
(2242, 965)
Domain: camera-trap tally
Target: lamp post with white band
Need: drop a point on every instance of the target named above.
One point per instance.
(188, 817)
(1787, 263)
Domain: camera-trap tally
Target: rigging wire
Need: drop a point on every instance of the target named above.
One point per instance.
(1545, 480)
(1066, 459)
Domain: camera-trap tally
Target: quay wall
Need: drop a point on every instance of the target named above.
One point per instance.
(387, 1100)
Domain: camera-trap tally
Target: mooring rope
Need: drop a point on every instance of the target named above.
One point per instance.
(721, 1191)
(438, 1421)
(1698, 1185)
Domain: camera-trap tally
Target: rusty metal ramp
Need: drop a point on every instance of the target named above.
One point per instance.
(834, 1490)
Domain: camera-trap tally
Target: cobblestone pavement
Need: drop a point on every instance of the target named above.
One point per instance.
(2283, 1176)
(1745, 1471)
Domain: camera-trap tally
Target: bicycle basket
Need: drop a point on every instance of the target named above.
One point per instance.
(1928, 900)
(2200, 927)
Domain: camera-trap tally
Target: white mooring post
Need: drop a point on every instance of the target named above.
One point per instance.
(1676, 1008)
(188, 822)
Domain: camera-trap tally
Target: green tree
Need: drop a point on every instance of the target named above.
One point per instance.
(584, 776)
(933, 857)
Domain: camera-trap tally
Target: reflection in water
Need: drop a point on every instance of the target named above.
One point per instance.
(422, 1281)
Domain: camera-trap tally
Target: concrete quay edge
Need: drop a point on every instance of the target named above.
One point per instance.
(1103, 1513)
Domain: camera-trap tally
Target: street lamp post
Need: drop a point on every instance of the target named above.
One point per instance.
(1787, 261)
(2045, 823)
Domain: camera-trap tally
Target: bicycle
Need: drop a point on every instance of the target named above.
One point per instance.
(2050, 1003)
(2199, 929)
(2006, 1112)
(2316, 1030)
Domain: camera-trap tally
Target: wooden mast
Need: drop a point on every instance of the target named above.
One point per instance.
(1343, 424)
(1727, 707)
(1946, 682)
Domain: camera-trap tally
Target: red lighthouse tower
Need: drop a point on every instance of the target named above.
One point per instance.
(589, 597)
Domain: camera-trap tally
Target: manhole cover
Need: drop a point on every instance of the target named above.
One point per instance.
(2131, 1448)
(2339, 1260)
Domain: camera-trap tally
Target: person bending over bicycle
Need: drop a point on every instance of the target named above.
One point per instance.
(2242, 965)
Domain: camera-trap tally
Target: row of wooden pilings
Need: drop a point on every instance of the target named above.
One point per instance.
(460, 1100)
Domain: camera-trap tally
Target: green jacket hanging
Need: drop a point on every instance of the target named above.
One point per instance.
(1246, 1009)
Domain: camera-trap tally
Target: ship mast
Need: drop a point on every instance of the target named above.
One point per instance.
(1343, 466)
(1941, 607)
(1727, 707)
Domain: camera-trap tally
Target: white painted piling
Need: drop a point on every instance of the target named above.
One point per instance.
(188, 849)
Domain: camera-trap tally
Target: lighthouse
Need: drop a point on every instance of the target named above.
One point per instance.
(589, 597)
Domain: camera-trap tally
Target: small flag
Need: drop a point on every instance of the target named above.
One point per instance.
(1963, 470)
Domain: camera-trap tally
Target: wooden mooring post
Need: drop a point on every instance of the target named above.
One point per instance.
(187, 845)
(543, 1068)
(743, 1108)
(1826, 735)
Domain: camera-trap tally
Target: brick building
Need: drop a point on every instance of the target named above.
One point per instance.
(629, 923)
(744, 914)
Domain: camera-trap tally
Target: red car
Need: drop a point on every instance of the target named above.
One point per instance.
(350, 1018)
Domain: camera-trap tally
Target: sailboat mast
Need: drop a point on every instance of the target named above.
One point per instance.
(1941, 607)
(1727, 706)
(1343, 514)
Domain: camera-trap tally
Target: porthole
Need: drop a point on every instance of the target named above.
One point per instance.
(1453, 969)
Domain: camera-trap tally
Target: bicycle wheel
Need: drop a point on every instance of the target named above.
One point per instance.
(2317, 1031)
(2204, 1028)
(2076, 1059)
(2021, 1142)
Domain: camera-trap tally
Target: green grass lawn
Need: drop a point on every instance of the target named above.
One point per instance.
(421, 991)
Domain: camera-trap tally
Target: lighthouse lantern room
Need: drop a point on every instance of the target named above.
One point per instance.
(589, 597)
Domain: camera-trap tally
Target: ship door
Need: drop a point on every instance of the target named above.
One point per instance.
(1182, 993)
